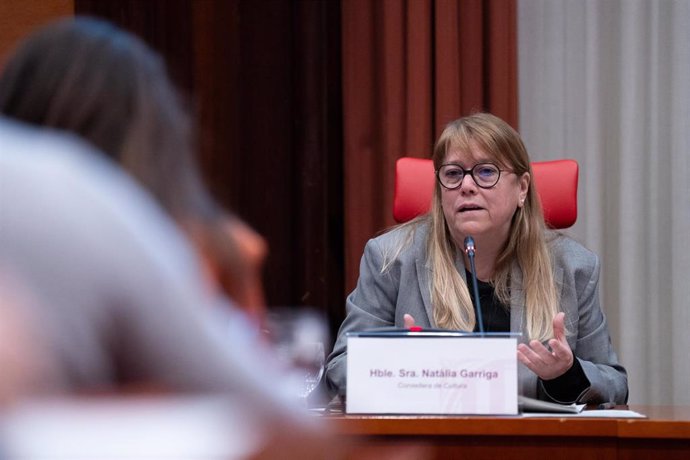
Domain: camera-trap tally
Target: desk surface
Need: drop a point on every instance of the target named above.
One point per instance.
(664, 434)
(662, 422)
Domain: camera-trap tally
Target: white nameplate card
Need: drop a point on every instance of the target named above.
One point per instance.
(431, 373)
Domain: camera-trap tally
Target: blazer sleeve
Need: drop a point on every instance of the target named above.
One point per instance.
(372, 304)
(591, 342)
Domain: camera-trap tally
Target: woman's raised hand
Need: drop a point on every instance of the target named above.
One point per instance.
(548, 364)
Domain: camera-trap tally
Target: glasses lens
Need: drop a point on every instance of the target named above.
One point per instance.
(450, 175)
(485, 174)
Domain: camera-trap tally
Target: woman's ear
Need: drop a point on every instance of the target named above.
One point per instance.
(524, 183)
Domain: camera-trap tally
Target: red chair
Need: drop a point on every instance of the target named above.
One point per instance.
(556, 184)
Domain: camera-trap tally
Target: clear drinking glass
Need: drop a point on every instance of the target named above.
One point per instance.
(297, 336)
(311, 365)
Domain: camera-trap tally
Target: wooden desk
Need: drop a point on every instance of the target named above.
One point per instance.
(665, 434)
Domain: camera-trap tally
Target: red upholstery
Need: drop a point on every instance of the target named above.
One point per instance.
(556, 183)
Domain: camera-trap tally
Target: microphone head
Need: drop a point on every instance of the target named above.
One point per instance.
(469, 245)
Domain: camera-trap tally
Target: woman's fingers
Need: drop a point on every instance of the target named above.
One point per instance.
(559, 327)
(408, 320)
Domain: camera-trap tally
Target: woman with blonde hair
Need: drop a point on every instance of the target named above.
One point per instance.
(531, 280)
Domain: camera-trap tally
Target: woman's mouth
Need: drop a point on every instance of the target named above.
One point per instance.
(468, 208)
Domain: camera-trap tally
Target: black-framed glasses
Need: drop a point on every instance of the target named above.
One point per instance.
(485, 175)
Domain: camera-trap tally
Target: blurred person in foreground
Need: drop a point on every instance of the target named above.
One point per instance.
(86, 76)
(532, 280)
(119, 296)
(117, 302)
(122, 302)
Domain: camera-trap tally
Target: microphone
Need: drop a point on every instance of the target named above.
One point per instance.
(469, 250)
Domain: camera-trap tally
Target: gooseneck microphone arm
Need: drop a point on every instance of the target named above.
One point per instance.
(469, 250)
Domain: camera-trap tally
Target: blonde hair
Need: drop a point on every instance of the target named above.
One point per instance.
(526, 247)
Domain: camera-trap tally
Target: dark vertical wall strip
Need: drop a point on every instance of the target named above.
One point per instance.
(264, 80)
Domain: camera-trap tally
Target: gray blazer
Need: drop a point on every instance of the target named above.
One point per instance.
(381, 299)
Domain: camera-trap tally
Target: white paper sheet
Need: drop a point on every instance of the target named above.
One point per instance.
(604, 413)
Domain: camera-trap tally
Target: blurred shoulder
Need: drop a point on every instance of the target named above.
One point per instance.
(54, 157)
(71, 196)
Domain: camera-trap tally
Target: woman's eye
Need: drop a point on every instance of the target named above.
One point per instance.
(486, 171)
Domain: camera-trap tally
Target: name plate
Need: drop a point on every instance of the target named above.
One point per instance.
(427, 373)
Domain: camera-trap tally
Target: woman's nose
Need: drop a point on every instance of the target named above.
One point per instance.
(468, 185)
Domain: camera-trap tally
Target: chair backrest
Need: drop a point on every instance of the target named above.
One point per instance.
(556, 184)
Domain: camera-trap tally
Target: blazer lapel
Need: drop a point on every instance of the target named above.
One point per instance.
(423, 276)
(517, 303)
(518, 315)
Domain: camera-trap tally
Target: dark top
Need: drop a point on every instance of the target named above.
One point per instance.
(496, 318)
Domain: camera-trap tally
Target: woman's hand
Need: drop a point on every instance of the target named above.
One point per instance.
(408, 320)
(548, 364)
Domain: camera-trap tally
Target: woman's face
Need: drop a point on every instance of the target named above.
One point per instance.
(484, 214)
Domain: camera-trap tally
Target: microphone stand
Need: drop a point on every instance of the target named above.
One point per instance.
(469, 250)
